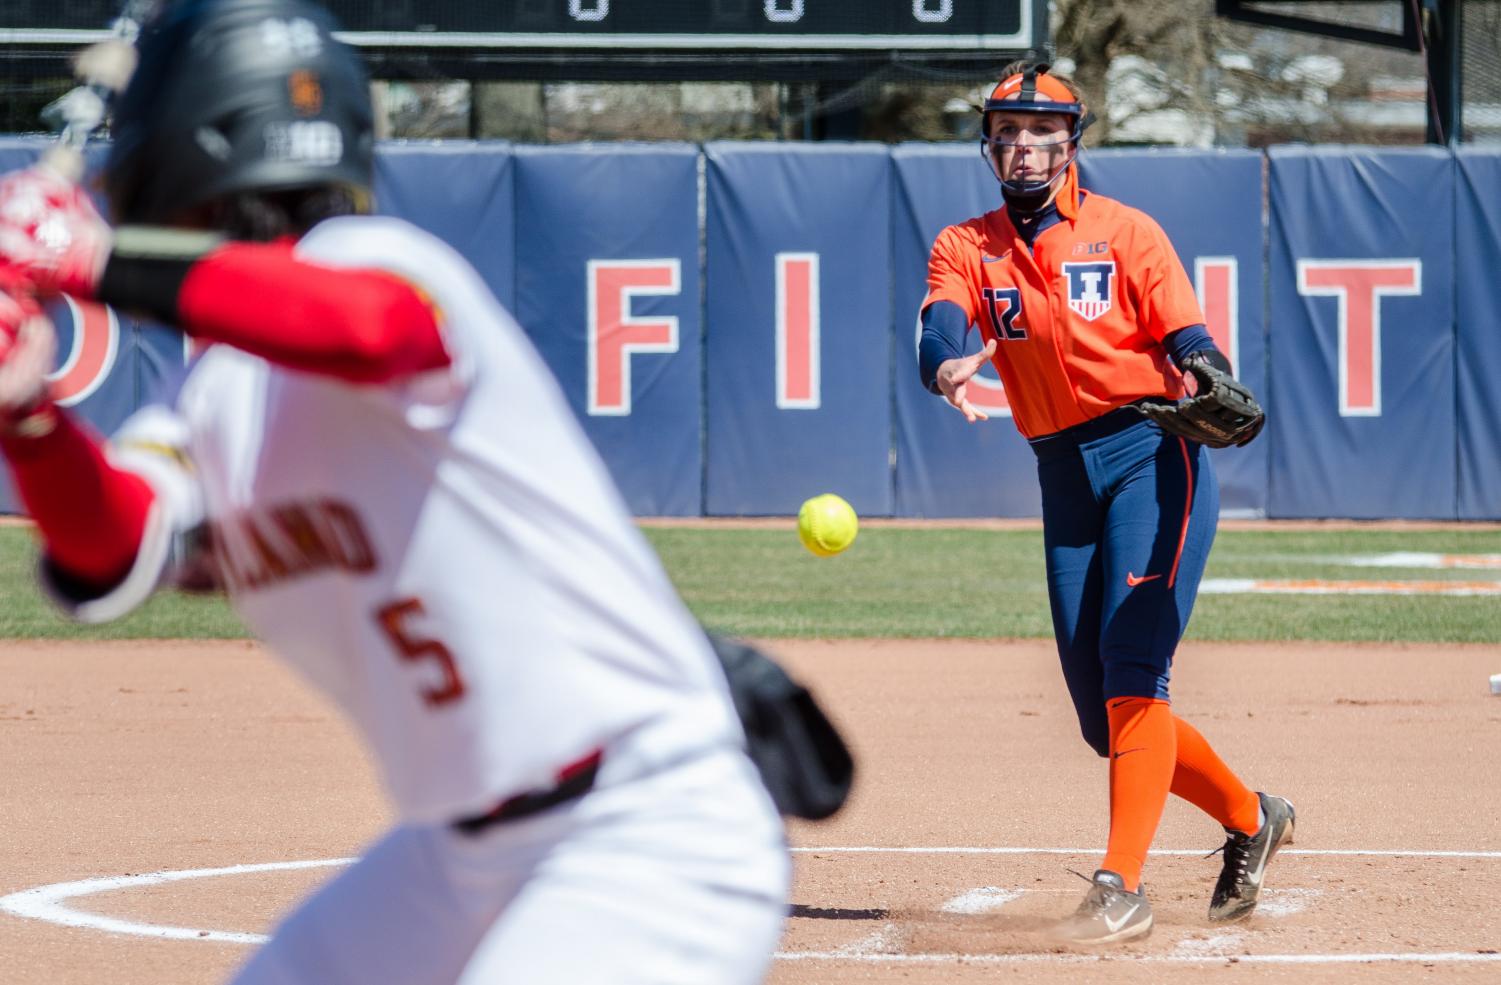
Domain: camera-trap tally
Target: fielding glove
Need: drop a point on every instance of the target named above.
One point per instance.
(1222, 413)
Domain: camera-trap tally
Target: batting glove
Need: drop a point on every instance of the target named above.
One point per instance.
(51, 234)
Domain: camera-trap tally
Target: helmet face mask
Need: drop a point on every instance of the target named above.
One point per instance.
(1031, 138)
(1039, 115)
(235, 98)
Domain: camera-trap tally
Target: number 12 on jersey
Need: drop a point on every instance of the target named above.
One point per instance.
(393, 619)
(1003, 304)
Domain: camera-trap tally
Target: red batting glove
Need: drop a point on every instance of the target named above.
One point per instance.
(51, 233)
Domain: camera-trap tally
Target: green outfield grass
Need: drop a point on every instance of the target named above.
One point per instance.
(903, 582)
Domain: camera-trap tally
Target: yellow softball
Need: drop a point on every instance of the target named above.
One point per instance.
(827, 525)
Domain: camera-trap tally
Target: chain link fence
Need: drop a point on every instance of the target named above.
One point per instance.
(1481, 34)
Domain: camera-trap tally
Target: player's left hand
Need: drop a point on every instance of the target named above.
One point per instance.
(51, 233)
(953, 381)
(1222, 413)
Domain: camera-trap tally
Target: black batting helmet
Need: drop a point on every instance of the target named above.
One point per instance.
(236, 96)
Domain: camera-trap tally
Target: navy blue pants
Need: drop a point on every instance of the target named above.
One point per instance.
(1128, 517)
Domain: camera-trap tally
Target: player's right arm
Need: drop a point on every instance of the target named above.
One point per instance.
(948, 311)
(268, 299)
(358, 325)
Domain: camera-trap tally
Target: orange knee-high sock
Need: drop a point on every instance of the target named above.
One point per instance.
(1203, 779)
(1143, 746)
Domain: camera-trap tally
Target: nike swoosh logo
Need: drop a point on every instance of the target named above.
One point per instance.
(1133, 581)
(986, 259)
(1124, 751)
(1255, 874)
(1115, 925)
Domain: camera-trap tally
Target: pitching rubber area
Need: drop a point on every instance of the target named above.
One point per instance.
(166, 801)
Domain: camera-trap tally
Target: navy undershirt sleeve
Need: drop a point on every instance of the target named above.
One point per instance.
(1187, 341)
(944, 325)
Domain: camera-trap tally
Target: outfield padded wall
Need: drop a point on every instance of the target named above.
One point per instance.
(1478, 332)
(797, 314)
(735, 324)
(607, 285)
(1362, 343)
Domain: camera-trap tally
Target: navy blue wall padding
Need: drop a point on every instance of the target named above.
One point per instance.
(829, 200)
(946, 466)
(575, 204)
(462, 192)
(1174, 187)
(1478, 393)
(1365, 206)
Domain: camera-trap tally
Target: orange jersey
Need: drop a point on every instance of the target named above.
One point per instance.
(1079, 316)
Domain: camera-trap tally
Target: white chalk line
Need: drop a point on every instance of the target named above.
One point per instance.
(46, 903)
(1423, 559)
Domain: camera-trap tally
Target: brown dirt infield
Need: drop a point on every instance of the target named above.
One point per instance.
(139, 757)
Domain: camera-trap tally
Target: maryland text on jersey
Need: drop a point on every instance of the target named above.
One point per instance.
(262, 547)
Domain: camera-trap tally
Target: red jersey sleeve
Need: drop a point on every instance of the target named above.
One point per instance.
(1165, 297)
(364, 326)
(951, 274)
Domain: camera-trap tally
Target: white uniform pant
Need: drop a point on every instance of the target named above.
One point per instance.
(679, 878)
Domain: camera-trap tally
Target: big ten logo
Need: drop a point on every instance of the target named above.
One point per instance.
(1358, 287)
(615, 333)
(89, 347)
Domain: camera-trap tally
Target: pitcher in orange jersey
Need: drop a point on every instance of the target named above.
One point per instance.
(1086, 312)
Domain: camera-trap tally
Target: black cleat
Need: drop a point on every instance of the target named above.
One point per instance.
(1246, 856)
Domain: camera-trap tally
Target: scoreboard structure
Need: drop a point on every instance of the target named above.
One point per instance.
(628, 39)
(705, 25)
